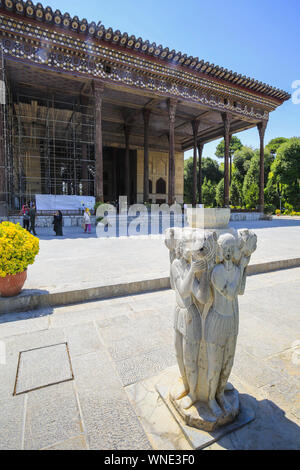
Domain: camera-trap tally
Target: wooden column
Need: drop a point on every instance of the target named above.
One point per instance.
(261, 130)
(2, 164)
(98, 89)
(146, 114)
(3, 200)
(200, 151)
(195, 126)
(172, 112)
(226, 120)
(84, 102)
(230, 162)
(115, 173)
(127, 162)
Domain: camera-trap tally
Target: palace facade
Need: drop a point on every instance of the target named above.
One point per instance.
(87, 110)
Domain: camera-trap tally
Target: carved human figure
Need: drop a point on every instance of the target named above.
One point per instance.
(247, 246)
(207, 274)
(189, 278)
(221, 326)
(172, 235)
(187, 322)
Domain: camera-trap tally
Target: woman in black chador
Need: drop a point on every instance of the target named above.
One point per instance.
(57, 224)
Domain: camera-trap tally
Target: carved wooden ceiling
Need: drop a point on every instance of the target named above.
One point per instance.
(121, 106)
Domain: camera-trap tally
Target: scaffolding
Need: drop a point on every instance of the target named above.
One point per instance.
(49, 145)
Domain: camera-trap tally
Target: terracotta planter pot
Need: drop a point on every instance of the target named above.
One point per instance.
(12, 285)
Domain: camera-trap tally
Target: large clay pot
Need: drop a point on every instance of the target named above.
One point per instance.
(12, 285)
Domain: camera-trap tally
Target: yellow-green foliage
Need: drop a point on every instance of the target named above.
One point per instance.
(18, 248)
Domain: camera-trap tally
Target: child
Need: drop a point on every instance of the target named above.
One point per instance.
(26, 216)
(87, 220)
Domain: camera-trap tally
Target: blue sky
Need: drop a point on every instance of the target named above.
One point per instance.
(259, 39)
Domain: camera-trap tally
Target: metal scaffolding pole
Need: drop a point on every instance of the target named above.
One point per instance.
(47, 136)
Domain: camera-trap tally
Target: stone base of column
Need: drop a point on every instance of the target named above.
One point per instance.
(200, 416)
(199, 438)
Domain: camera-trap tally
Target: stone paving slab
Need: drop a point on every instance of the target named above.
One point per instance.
(52, 415)
(76, 443)
(80, 267)
(82, 261)
(126, 343)
(109, 419)
(11, 423)
(42, 367)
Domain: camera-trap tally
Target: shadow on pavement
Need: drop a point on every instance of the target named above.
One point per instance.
(67, 235)
(21, 316)
(271, 429)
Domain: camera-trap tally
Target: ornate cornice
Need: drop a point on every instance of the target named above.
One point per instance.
(55, 50)
(81, 28)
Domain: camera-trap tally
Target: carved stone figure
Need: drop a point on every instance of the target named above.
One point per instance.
(208, 272)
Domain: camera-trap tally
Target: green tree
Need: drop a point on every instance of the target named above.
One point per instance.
(274, 144)
(272, 192)
(235, 145)
(286, 171)
(269, 159)
(251, 180)
(208, 193)
(251, 196)
(211, 170)
(220, 193)
(236, 191)
(188, 180)
(250, 185)
(241, 162)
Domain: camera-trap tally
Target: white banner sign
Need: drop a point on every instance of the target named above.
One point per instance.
(49, 202)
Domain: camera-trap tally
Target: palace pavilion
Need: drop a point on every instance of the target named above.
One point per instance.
(88, 110)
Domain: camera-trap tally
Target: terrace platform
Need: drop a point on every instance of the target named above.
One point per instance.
(80, 267)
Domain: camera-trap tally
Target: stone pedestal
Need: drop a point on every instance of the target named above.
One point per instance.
(201, 416)
(197, 437)
(208, 271)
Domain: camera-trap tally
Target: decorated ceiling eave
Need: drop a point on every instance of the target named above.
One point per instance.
(172, 58)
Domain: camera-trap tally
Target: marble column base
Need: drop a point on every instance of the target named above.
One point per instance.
(200, 438)
(201, 417)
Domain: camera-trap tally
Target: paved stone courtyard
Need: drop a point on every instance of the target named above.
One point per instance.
(79, 260)
(117, 350)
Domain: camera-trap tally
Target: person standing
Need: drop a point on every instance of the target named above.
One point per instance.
(32, 215)
(87, 220)
(57, 224)
(26, 217)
